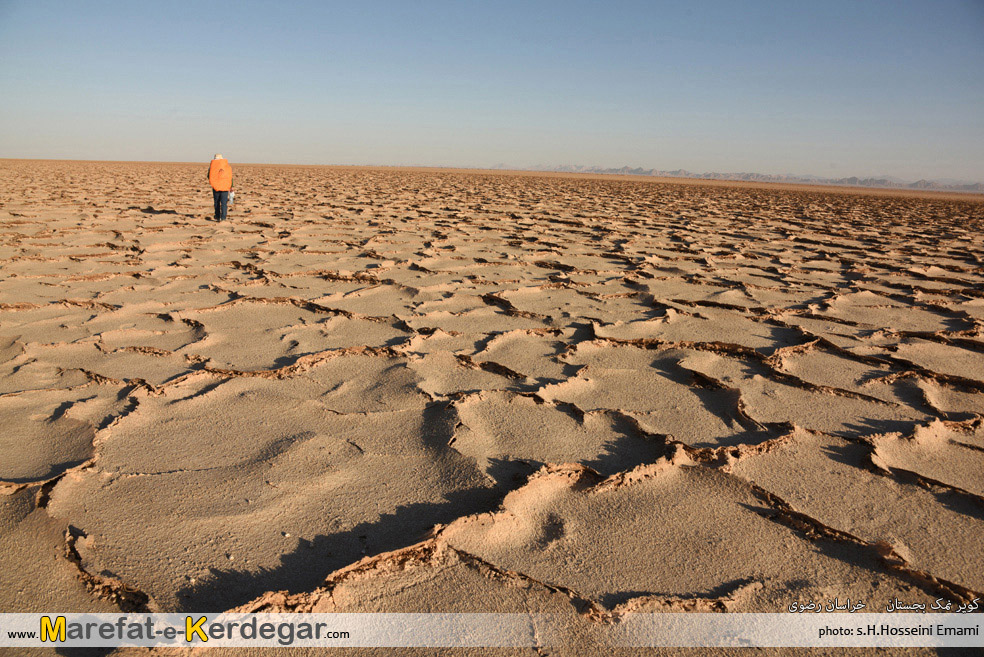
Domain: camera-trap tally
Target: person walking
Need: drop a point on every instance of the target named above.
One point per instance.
(220, 177)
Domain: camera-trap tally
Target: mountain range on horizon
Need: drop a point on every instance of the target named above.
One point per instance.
(884, 182)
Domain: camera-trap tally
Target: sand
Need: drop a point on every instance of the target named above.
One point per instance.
(439, 390)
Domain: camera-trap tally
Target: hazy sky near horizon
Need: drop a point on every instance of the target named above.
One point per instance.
(827, 88)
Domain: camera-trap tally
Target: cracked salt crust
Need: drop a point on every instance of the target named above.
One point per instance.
(459, 391)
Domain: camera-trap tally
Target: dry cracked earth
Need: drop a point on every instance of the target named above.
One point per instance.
(408, 390)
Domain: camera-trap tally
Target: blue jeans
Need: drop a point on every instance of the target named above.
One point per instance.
(221, 204)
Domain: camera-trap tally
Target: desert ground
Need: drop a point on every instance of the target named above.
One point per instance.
(435, 390)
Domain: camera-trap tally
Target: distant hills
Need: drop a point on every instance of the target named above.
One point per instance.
(853, 181)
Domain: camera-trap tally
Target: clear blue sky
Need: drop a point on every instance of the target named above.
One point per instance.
(829, 88)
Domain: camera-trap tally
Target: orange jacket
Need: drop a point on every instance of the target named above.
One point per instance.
(220, 175)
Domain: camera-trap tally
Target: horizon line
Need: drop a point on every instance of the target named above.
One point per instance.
(607, 172)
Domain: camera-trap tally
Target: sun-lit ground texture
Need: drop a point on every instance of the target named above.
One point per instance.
(454, 391)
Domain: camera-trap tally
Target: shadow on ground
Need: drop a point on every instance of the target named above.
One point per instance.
(306, 567)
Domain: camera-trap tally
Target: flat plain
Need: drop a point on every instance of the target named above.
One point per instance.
(436, 390)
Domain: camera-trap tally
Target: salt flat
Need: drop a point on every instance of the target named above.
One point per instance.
(439, 390)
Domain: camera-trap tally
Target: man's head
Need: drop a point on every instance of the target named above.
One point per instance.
(218, 156)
